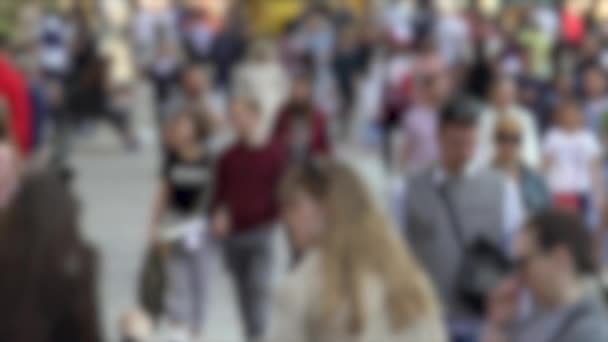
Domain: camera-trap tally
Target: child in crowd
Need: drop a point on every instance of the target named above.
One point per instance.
(572, 155)
(245, 210)
(181, 202)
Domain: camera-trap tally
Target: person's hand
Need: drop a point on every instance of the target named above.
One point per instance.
(220, 224)
(502, 309)
(504, 301)
(154, 236)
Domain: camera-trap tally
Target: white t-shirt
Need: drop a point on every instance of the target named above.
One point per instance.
(572, 155)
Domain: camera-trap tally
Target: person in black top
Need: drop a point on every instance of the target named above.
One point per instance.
(185, 184)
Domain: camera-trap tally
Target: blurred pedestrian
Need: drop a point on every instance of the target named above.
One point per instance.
(56, 39)
(573, 164)
(229, 48)
(357, 282)
(13, 88)
(504, 103)
(538, 46)
(398, 77)
(451, 210)
(301, 126)
(554, 257)
(347, 66)
(532, 187)
(262, 76)
(51, 294)
(198, 36)
(164, 74)
(180, 210)
(245, 211)
(420, 124)
(198, 96)
(595, 103)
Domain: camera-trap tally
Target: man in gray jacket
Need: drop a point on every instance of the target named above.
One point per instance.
(485, 204)
(554, 256)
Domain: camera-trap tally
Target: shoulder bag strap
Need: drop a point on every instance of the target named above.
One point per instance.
(453, 217)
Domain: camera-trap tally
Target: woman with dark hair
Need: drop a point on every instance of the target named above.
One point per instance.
(185, 184)
(49, 293)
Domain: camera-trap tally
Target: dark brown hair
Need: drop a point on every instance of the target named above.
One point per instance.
(553, 228)
(310, 176)
(200, 119)
(41, 249)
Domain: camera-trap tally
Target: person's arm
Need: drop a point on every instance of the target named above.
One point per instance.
(399, 203)
(532, 150)
(547, 154)
(218, 211)
(513, 212)
(159, 209)
(324, 140)
(503, 306)
(597, 183)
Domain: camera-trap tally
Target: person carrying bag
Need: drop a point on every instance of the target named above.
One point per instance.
(174, 278)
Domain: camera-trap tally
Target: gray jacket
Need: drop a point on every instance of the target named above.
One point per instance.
(478, 200)
(586, 321)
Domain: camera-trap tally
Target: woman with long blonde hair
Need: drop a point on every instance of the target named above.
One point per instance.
(357, 281)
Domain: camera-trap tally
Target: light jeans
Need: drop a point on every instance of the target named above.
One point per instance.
(188, 279)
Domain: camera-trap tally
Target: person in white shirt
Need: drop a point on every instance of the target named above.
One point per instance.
(572, 165)
(504, 103)
(263, 77)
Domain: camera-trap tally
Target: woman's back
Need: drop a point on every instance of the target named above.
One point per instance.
(298, 316)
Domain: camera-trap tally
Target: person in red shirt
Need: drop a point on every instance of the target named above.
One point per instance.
(14, 90)
(244, 210)
(573, 27)
(301, 127)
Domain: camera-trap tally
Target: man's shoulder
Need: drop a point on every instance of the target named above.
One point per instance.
(590, 326)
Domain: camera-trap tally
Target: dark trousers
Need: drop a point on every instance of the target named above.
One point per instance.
(249, 260)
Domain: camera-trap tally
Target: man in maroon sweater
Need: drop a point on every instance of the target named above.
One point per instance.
(244, 210)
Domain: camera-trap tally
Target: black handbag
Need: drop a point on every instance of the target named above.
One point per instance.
(483, 266)
(152, 283)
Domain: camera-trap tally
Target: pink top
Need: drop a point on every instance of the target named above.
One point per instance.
(420, 127)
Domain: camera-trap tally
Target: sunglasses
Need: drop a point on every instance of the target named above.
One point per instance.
(506, 138)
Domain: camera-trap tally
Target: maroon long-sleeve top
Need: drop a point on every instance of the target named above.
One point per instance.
(246, 185)
(319, 143)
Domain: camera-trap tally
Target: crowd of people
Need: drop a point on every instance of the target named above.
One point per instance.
(491, 129)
